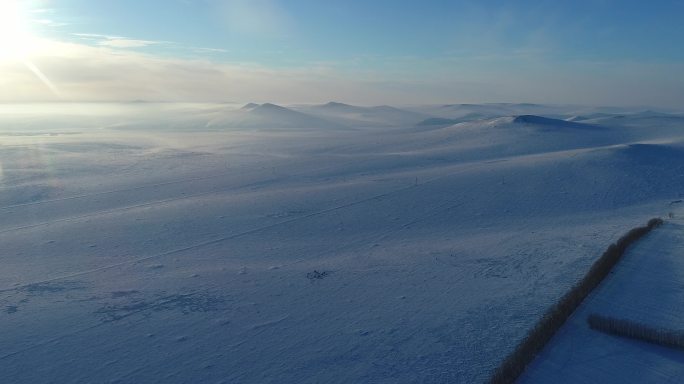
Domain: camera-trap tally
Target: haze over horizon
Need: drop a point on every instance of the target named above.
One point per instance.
(621, 53)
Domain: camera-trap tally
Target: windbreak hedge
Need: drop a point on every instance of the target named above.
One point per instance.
(514, 365)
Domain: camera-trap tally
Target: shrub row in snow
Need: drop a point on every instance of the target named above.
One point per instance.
(634, 330)
(511, 368)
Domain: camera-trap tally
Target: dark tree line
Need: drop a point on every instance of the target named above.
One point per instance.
(634, 330)
(514, 365)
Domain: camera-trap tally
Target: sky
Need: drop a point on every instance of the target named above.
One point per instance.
(600, 52)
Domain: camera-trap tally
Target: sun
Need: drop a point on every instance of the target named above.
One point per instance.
(17, 43)
(16, 40)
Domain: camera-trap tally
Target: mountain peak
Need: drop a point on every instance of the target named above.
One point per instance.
(335, 104)
(534, 119)
(271, 107)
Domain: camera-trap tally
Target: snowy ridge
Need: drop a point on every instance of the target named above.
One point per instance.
(377, 116)
(545, 121)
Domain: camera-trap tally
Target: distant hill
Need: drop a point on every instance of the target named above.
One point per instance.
(549, 122)
(353, 115)
(269, 115)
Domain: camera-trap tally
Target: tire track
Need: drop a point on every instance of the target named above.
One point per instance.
(147, 204)
(104, 193)
(161, 184)
(200, 244)
(230, 237)
(449, 205)
(461, 169)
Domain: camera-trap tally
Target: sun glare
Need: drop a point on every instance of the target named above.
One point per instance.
(16, 40)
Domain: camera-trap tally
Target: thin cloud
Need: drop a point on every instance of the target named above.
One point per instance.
(118, 41)
(49, 23)
(121, 42)
(211, 50)
(127, 43)
(94, 72)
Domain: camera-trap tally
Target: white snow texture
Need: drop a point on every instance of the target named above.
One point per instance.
(216, 243)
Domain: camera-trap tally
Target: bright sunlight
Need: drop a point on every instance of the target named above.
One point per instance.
(16, 40)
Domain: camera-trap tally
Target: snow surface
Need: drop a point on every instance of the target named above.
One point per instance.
(185, 243)
(646, 287)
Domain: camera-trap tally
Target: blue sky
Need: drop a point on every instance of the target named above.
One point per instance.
(321, 30)
(394, 51)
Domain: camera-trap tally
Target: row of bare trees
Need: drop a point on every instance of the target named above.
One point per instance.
(635, 330)
(514, 365)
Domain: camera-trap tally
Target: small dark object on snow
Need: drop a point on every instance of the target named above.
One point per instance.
(315, 275)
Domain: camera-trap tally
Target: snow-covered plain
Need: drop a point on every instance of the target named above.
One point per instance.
(187, 243)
